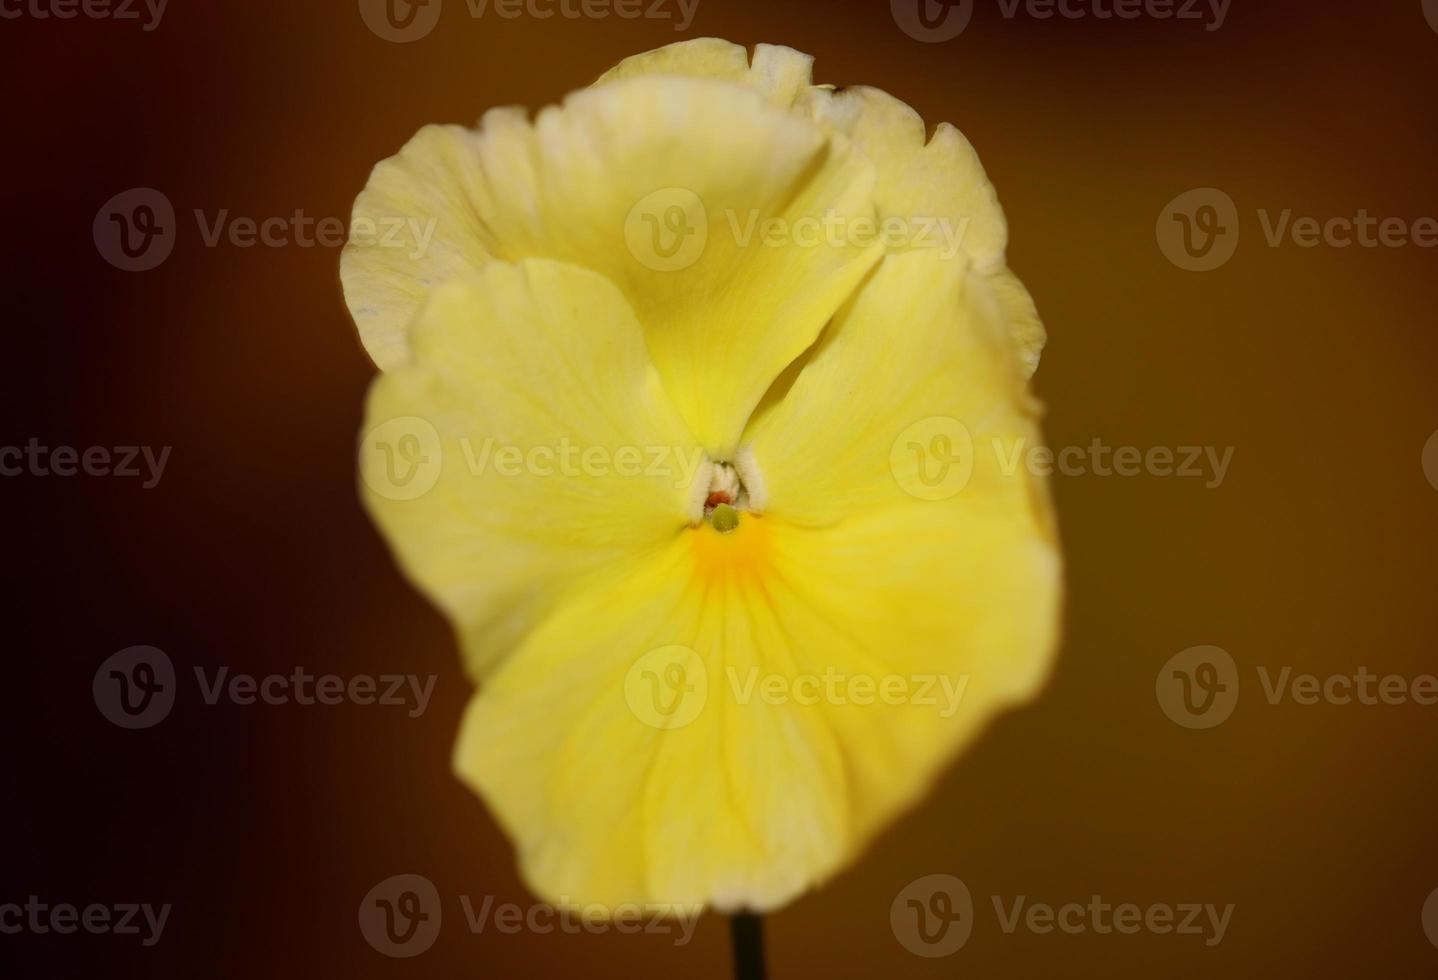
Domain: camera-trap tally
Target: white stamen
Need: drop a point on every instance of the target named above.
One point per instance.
(699, 492)
(753, 480)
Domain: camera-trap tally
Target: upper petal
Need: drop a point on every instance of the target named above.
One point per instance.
(915, 381)
(780, 73)
(659, 184)
(918, 178)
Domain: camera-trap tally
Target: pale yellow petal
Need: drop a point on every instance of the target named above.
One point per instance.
(940, 178)
(737, 805)
(664, 186)
(388, 266)
(914, 382)
(782, 74)
(937, 186)
(700, 57)
(1025, 327)
(527, 442)
(823, 678)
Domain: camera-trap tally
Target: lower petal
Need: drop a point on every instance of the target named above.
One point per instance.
(729, 721)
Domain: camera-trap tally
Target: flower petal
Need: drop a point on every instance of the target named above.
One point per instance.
(731, 806)
(1025, 328)
(937, 185)
(875, 413)
(727, 722)
(780, 73)
(939, 178)
(527, 442)
(426, 187)
(659, 184)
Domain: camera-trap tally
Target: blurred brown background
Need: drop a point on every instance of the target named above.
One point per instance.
(266, 826)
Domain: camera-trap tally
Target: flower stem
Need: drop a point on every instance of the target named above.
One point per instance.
(747, 932)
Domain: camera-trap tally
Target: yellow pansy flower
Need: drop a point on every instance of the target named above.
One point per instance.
(698, 418)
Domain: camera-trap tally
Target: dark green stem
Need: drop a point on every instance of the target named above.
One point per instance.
(747, 932)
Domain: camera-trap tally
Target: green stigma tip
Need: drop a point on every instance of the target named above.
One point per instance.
(724, 518)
